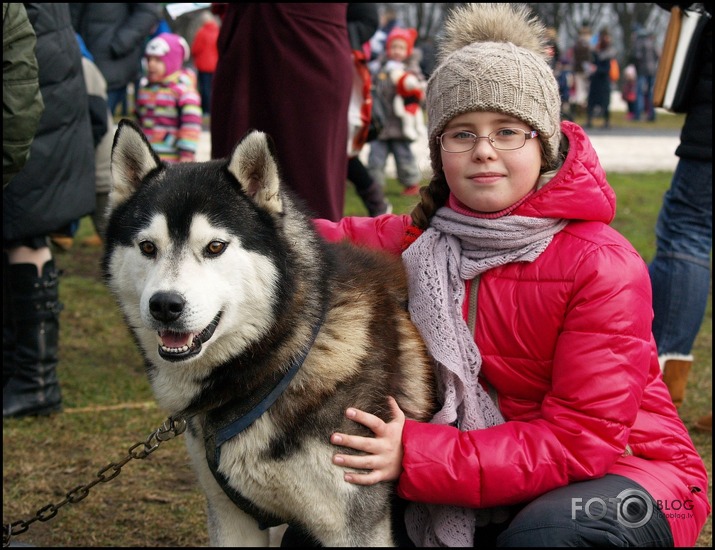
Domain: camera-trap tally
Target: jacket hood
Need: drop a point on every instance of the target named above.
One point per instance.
(579, 190)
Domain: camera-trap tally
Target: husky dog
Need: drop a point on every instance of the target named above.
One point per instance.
(260, 334)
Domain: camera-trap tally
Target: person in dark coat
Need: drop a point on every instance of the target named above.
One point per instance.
(286, 69)
(645, 59)
(55, 187)
(115, 34)
(599, 89)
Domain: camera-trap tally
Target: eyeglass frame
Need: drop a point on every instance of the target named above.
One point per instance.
(531, 134)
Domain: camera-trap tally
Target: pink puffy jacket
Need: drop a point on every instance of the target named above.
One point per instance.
(566, 343)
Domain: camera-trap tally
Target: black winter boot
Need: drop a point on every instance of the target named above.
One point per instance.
(8, 326)
(33, 388)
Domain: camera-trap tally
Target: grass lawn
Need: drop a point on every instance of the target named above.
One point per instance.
(109, 408)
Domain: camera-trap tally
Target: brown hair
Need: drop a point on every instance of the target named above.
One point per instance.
(432, 197)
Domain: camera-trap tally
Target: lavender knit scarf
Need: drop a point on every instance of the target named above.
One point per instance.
(453, 249)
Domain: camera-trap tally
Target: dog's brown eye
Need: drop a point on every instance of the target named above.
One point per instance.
(147, 248)
(215, 248)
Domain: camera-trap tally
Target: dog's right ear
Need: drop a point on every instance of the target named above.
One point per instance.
(132, 159)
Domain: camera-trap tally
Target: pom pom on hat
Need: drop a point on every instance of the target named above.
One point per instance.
(408, 35)
(492, 57)
(171, 48)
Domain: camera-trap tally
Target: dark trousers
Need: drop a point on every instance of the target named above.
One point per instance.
(358, 174)
(204, 81)
(610, 511)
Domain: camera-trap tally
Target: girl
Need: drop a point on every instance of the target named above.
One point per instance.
(168, 103)
(555, 427)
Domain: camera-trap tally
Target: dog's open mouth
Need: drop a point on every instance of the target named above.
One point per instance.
(177, 346)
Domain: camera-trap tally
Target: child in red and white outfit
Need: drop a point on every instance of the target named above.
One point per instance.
(399, 85)
(168, 104)
(408, 81)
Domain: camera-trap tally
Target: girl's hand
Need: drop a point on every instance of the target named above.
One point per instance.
(383, 452)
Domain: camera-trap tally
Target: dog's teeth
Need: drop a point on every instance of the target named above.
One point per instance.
(175, 350)
(175, 340)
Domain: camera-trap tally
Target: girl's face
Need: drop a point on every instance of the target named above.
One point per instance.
(155, 69)
(486, 179)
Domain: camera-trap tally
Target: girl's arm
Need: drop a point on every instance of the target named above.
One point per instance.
(386, 232)
(598, 371)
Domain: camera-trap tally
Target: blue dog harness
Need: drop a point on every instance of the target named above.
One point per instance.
(217, 431)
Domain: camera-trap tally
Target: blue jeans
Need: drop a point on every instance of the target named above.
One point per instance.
(115, 97)
(644, 97)
(680, 271)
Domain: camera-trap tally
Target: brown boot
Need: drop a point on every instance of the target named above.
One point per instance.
(675, 376)
(704, 424)
(92, 241)
(63, 242)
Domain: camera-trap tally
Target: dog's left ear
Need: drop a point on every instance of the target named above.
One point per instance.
(252, 163)
(132, 159)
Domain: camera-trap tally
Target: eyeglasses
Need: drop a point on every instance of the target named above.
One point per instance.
(503, 139)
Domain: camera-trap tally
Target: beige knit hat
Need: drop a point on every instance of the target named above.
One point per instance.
(492, 57)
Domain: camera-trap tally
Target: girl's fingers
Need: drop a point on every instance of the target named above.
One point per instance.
(363, 479)
(370, 476)
(359, 443)
(359, 462)
(397, 413)
(366, 419)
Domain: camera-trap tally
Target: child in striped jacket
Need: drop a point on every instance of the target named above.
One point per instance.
(168, 105)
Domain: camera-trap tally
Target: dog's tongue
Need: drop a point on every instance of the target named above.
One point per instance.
(175, 339)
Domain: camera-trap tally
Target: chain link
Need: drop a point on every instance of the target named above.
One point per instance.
(171, 428)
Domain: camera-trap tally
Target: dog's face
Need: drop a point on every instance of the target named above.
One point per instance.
(192, 254)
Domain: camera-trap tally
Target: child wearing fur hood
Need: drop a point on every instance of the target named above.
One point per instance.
(555, 427)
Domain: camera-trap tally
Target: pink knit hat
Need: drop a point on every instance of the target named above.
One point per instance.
(171, 48)
(408, 35)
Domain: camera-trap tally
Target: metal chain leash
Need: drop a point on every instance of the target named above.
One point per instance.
(171, 428)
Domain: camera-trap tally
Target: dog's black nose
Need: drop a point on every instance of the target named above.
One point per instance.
(166, 306)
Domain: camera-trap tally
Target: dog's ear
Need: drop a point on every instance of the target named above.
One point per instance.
(253, 164)
(132, 159)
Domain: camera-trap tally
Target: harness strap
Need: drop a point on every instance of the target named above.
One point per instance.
(214, 438)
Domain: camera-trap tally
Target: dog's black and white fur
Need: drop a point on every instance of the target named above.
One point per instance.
(261, 335)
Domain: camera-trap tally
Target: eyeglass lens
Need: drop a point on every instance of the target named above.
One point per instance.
(505, 139)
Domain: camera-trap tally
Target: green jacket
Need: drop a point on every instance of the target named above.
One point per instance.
(22, 103)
